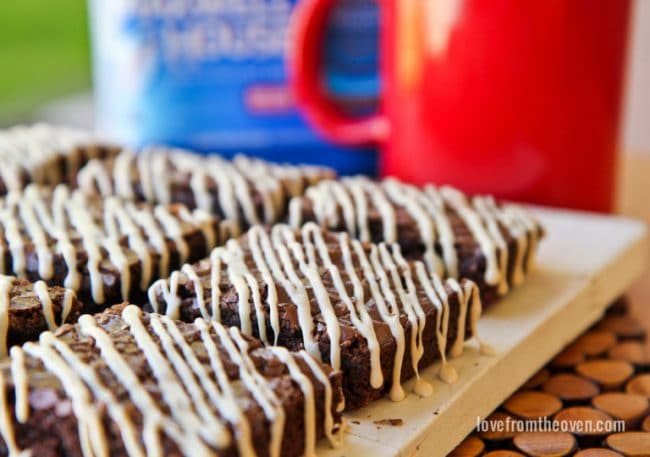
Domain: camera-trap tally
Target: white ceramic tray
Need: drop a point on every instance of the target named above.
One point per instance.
(585, 263)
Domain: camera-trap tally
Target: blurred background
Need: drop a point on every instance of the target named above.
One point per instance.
(46, 67)
(45, 58)
(45, 75)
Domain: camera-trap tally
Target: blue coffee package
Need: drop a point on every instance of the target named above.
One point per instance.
(210, 75)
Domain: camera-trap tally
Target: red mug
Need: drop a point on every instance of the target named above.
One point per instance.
(517, 98)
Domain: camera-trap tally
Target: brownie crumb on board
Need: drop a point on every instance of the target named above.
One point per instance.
(392, 422)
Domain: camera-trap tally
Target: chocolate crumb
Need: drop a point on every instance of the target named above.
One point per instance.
(391, 422)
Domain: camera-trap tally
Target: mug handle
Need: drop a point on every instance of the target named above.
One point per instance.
(309, 22)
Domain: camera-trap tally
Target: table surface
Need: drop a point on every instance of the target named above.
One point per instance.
(634, 201)
(601, 376)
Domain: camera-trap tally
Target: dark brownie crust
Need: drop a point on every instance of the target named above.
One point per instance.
(510, 234)
(141, 243)
(459, 303)
(26, 307)
(51, 428)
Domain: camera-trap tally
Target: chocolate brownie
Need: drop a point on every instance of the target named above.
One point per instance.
(129, 383)
(456, 236)
(44, 154)
(107, 250)
(246, 191)
(360, 307)
(28, 309)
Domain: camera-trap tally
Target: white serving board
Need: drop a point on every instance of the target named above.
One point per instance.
(585, 263)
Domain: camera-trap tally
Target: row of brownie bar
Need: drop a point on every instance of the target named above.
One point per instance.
(301, 290)
(373, 316)
(124, 382)
(128, 383)
(475, 238)
(360, 307)
(408, 318)
(248, 192)
(109, 249)
(457, 236)
(46, 155)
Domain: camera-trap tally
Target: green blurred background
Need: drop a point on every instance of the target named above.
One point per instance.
(44, 53)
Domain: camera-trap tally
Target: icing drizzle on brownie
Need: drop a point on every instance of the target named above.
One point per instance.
(25, 150)
(348, 204)
(215, 184)
(270, 262)
(200, 400)
(47, 307)
(66, 223)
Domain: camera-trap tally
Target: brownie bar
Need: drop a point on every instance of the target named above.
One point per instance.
(360, 307)
(456, 236)
(28, 309)
(107, 250)
(47, 155)
(128, 383)
(246, 191)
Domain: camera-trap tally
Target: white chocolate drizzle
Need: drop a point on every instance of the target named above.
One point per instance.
(35, 153)
(216, 185)
(64, 222)
(198, 405)
(47, 307)
(348, 203)
(275, 262)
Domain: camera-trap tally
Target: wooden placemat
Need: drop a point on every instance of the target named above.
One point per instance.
(592, 399)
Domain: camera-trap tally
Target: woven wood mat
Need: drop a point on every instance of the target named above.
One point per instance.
(592, 399)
